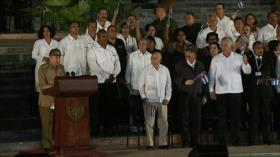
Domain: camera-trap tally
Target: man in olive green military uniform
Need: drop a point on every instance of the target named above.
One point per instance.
(164, 24)
(46, 75)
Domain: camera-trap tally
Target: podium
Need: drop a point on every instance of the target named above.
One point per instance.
(71, 121)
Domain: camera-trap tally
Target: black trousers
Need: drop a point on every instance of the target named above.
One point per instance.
(94, 115)
(276, 113)
(136, 109)
(108, 103)
(190, 116)
(260, 118)
(228, 105)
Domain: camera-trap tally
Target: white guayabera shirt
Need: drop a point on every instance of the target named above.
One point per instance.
(88, 41)
(225, 23)
(201, 37)
(225, 73)
(266, 34)
(74, 55)
(99, 27)
(155, 85)
(40, 50)
(136, 63)
(129, 42)
(159, 43)
(103, 62)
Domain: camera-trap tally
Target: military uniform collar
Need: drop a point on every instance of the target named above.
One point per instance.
(52, 66)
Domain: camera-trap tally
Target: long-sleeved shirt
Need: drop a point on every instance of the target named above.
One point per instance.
(40, 50)
(155, 85)
(103, 62)
(191, 32)
(129, 42)
(266, 34)
(225, 23)
(159, 43)
(73, 55)
(88, 40)
(160, 26)
(46, 77)
(136, 63)
(201, 37)
(99, 27)
(225, 73)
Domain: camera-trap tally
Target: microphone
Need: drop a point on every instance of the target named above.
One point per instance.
(72, 73)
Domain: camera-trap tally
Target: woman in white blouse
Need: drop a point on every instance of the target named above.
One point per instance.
(129, 41)
(42, 47)
(151, 31)
(249, 36)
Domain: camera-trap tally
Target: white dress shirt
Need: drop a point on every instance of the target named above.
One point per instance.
(232, 33)
(278, 72)
(159, 43)
(40, 50)
(74, 55)
(99, 27)
(225, 73)
(191, 64)
(155, 85)
(88, 41)
(103, 62)
(136, 62)
(251, 42)
(129, 42)
(201, 37)
(225, 23)
(266, 34)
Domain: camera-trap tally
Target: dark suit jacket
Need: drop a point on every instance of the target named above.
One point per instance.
(267, 70)
(186, 72)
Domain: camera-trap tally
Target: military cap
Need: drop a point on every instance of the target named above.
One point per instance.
(55, 52)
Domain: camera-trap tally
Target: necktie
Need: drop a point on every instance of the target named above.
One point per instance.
(259, 62)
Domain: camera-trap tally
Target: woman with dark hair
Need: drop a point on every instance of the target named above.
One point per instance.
(274, 47)
(180, 43)
(129, 41)
(42, 47)
(151, 45)
(151, 31)
(251, 20)
(204, 54)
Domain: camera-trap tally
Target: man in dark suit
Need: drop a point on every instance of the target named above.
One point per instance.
(191, 94)
(261, 93)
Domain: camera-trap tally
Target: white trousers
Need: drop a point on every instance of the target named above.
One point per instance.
(150, 121)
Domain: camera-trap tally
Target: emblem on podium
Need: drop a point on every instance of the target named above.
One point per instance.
(75, 111)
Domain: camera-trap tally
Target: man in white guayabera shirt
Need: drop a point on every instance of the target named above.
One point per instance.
(102, 22)
(268, 32)
(137, 60)
(226, 86)
(103, 62)
(90, 35)
(224, 22)
(73, 52)
(155, 90)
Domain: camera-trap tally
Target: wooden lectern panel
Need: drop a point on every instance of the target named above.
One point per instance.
(71, 122)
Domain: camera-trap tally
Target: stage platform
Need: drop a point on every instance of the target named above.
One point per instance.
(116, 147)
